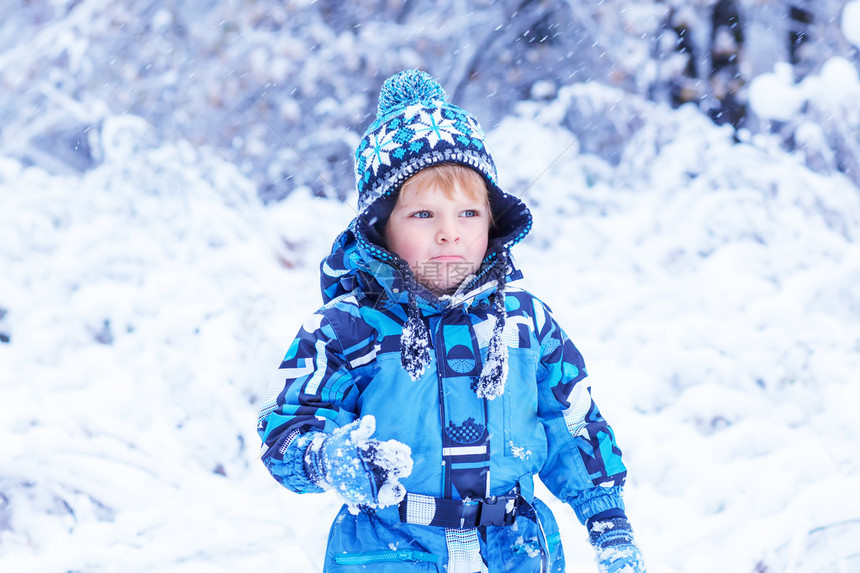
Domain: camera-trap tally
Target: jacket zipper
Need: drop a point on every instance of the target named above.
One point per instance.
(383, 556)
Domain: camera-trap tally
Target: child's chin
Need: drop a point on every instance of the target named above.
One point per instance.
(443, 287)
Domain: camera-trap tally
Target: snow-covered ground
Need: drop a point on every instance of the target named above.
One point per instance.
(712, 286)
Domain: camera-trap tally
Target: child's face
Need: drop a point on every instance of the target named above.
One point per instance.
(444, 239)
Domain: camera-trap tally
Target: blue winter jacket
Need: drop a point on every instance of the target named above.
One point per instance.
(346, 363)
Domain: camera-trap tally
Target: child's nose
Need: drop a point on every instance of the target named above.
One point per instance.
(447, 232)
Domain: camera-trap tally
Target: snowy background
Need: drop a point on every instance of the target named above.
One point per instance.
(170, 178)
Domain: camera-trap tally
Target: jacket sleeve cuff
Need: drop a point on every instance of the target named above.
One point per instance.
(290, 470)
(597, 500)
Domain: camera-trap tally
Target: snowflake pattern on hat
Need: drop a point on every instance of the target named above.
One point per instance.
(379, 146)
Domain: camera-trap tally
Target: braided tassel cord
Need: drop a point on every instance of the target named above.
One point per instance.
(494, 374)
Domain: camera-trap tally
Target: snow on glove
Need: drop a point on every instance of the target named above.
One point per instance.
(616, 550)
(362, 470)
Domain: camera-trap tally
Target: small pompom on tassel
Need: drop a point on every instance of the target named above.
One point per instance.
(494, 374)
(414, 342)
(409, 86)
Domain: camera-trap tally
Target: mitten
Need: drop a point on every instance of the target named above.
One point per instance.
(612, 537)
(363, 471)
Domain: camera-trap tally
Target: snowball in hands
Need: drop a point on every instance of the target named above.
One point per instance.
(362, 470)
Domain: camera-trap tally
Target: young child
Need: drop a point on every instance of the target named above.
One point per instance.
(428, 392)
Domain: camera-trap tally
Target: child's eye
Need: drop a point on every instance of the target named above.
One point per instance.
(471, 213)
(422, 215)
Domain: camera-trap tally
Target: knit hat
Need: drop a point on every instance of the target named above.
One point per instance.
(416, 127)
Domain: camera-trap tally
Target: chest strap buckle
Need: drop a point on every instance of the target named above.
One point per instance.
(499, 511)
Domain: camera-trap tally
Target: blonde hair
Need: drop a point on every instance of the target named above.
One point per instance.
(445, 176)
